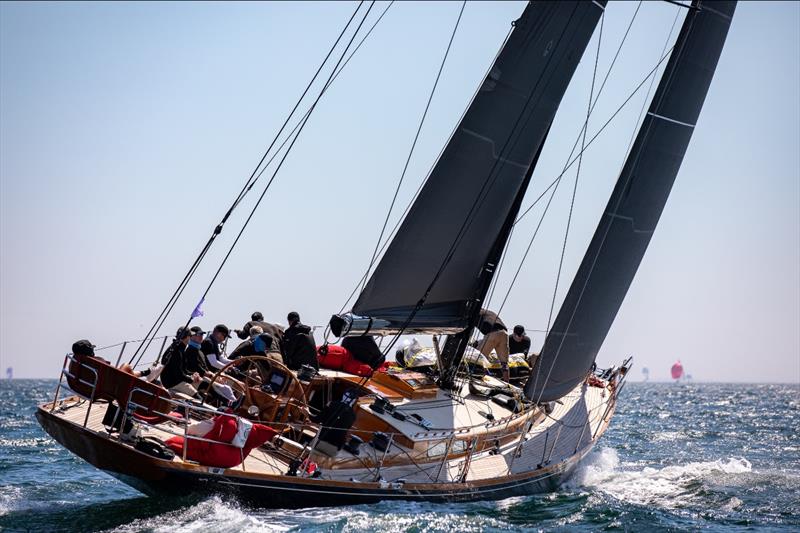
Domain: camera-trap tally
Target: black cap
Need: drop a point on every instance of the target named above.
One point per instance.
(83, 347)
(222, 328)
(257, 316)
(294, 316)
(182, 333)
(196, 330)
(519, 330)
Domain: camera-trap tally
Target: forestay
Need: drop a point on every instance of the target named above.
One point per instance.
(431, 271)
(628, 222)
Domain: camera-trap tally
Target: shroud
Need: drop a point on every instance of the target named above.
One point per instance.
(628, 222)
(431, 275)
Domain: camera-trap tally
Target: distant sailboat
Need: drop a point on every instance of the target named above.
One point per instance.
(646, 373)
(677, 370)
(9, 373)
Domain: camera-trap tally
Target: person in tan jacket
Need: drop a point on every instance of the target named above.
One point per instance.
(495, 338)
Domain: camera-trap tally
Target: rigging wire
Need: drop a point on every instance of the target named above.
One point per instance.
(423, 182)
(557, 181)
(218, 228)
(583, 148)
(285, 155)
(489, 182)
(599, 92)
(627, 151)
(408, 207)
(649, 89)
(414, 143)
(365, 379)
(290, 135)
(602, 242)
(665, 54)
(577, 176)
(530, 243)
(168, 309)
(584, 129)
(604, 126)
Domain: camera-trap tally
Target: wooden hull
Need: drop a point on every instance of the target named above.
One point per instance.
(158, 477)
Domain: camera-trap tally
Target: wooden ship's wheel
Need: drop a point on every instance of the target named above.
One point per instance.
(268, 390)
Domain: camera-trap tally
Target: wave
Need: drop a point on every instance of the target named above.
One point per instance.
(10, 496)
(209, 515)
(668, 487)
(217, 514)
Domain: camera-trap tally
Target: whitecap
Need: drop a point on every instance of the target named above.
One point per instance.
(396, 516)
(667, 487)
(212, 515)
(669, 436)
(9, 498)
(733, 504)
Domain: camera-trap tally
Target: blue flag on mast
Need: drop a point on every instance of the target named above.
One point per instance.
(197, 310)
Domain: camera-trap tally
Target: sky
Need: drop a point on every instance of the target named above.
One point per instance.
(127, 129)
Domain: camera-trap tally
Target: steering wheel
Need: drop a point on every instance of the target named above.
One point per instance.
(256, 369)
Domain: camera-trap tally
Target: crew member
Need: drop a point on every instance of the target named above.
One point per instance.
(175, 377)
(260, 345)
(299, 347)
(495, 337)
(82, 349)
(519, 342)
(274, 330)
(257, 319)
(211, 347)
(194, 359)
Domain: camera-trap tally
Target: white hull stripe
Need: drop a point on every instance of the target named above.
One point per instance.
(662, 117)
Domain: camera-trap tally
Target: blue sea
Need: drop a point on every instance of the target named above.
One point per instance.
(691, 456)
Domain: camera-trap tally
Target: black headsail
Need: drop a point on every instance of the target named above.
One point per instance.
(428, 279)
(624, 231)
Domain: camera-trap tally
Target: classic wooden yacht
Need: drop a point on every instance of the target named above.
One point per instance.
(328, 437)
(419, 443)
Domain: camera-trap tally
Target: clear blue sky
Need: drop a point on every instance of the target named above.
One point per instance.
(127, 128)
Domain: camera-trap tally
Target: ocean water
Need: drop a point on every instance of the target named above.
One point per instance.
(697, 456)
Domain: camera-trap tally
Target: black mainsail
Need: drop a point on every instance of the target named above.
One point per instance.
(624, 231)
(430, 279)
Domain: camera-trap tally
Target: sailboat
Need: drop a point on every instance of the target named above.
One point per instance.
(676, 371)
(306, 438)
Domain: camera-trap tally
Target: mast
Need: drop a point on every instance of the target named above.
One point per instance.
(432, 277)
(635, 206)
(453, 351)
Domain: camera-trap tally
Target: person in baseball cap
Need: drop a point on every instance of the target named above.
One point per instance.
(212, 347)
(83, 348)
(223, 330)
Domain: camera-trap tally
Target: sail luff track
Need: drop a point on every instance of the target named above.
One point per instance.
(635, 206)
